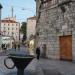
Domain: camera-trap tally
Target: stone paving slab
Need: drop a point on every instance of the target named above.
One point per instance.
(64, 67)
(41, 67)
(51, 72)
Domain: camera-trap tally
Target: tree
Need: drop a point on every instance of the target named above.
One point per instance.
(24, 30)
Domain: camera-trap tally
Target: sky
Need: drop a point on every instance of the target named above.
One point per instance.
(22, 9)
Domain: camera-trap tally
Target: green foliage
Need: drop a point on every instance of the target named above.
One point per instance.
(23, 28)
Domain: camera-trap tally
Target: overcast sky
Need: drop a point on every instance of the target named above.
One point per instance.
(21, 8)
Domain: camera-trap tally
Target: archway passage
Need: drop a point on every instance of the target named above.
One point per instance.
(65, 47)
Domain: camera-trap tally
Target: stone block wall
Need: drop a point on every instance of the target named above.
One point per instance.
(54, 23)
(73, 45)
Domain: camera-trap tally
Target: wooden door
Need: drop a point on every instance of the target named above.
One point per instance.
(66, 47)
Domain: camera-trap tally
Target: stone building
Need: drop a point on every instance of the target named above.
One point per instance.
(31, 30)
(31, 24)
(55, 28)
(9, 27)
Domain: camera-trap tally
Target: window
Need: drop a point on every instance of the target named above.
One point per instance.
(45, 4)
(16, 24)
(8, 24)
(12, 24)
(12, 28)
(8, 28)
(8, 33)
(12, 33)
(4, 28)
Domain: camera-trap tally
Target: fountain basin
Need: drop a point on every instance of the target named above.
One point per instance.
(20, 62)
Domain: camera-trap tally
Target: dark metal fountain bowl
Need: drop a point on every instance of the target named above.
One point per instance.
(20, 61)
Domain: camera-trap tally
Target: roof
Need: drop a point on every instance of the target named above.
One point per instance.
(33, 18)
(8, 21)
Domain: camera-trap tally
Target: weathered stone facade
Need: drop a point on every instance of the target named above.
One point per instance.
(55, 18)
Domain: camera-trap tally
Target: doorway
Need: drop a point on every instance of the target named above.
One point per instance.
(65, 47)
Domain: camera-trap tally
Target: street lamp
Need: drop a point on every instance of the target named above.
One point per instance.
(0, 17)
(0, 26)
(19, 38)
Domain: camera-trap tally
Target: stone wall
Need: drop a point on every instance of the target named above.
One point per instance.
(54, 22)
